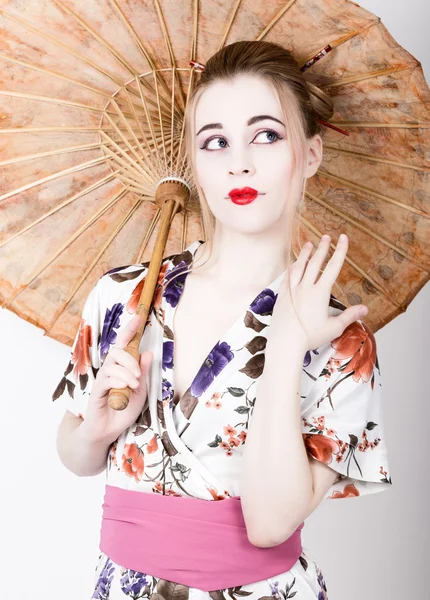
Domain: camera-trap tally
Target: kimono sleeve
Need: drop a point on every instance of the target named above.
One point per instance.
(76, 383)
(342, 425)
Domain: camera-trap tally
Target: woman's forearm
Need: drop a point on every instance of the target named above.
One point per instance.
(78, 452)
(276, 480)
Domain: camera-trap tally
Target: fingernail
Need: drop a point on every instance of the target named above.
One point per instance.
(363, 312)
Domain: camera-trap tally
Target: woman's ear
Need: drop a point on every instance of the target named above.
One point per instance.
(315, 152)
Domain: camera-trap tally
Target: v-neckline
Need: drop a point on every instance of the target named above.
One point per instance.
(170, 315)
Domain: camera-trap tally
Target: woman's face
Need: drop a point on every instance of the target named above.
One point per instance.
(240, 149)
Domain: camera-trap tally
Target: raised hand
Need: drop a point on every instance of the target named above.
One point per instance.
(314, 327)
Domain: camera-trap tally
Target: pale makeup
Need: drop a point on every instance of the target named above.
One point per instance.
(234, 154)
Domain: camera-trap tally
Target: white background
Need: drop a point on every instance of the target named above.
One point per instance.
(368, 548)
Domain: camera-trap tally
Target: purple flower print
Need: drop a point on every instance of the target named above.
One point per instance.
(215, 362)
(308, 357)
(133, 584)
(173, 291)
(102, 589)
(323, 593)
(111, 322)
(167, 361)
(265, 301)
(275, 589)
(166, 390)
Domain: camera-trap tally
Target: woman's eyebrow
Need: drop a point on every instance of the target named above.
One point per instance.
(251, 121)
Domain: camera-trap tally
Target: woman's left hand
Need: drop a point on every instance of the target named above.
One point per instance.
(311, 298)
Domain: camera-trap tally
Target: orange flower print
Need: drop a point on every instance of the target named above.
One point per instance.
(133, 302)
(358, 343)
(214, 401)
(158, 290)
(81, 353)
(157, 488)
(320, 447)
(132, 461)
(152, 445)
(349, 491)
(229, 430)
(217, 496)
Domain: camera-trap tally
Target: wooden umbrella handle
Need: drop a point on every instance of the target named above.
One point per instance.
(171, 200)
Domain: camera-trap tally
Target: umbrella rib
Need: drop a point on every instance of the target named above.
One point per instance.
(373, 157)
(354, 265)
(170, 51)
(149, 154)
(53, 129)
(52, 100)
(57, 175)
(69, 50)
(124, 166)
(172, 124)
(374, 124)
(229, 24)
(129, 129)
(148, 119)
(366, 76)
(83, 192)
(275, 19)
(98, 256)
(366, 230)
(14, 161)
(135, 147)
(72, 238)
(123, 178)
(365, 190)
(124, 139)
(98, 37)
(342, 40)
(140, 45)
(58, 75)
(148, 234)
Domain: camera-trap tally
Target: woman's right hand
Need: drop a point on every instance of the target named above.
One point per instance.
(103, 424)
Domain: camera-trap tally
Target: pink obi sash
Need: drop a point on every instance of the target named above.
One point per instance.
(199, 543)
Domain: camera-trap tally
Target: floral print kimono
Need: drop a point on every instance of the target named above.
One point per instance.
(194, 448)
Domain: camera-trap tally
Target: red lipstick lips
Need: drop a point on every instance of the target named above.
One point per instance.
(243, 196)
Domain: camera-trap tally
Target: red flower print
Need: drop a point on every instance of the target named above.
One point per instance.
(349, 491)
(133, 302)
(320, 447)
(217, 496)
(152, 445)
(81, 353)
(358, 342)
(132, 461)
(234, 441)
(229, 430)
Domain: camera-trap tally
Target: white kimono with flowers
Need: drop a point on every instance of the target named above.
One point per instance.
(194, 448)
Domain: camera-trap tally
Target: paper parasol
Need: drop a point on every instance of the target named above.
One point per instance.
(92, 96)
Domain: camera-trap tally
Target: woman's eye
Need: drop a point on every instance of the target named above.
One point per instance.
(268, 132)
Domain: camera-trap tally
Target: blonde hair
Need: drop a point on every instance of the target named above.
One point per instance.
(302, 103)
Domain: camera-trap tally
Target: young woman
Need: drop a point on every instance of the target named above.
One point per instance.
(255, 387)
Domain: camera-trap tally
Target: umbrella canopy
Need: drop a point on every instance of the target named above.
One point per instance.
(92, 97)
